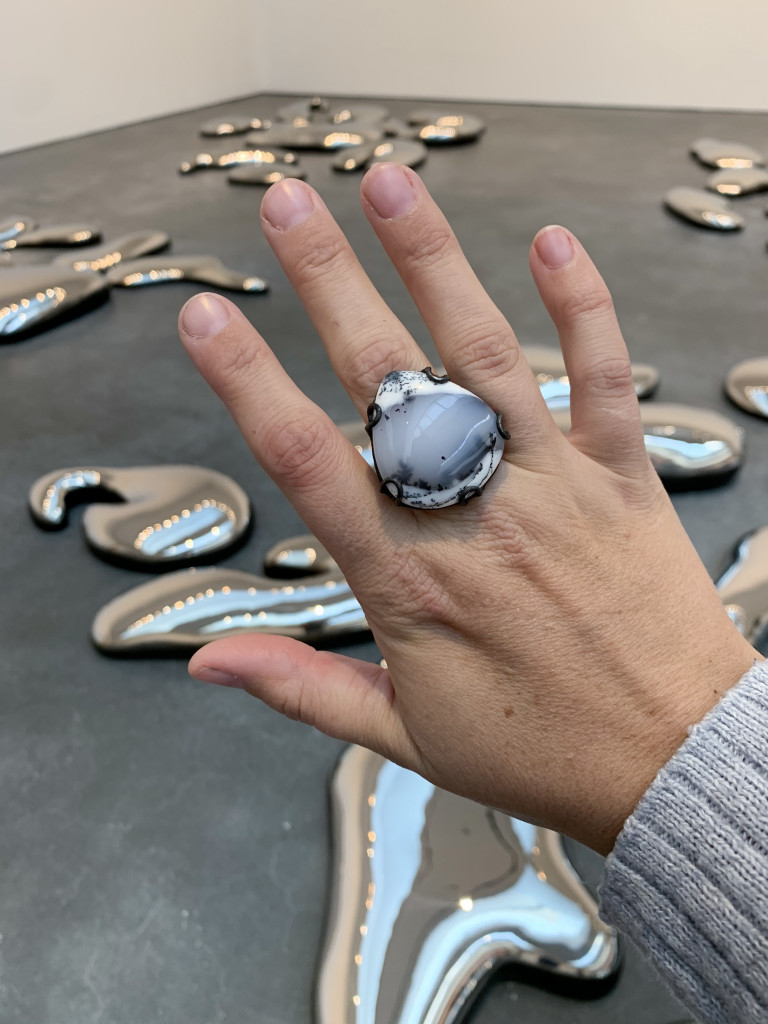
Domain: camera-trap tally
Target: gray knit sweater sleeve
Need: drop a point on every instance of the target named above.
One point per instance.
(688, 877)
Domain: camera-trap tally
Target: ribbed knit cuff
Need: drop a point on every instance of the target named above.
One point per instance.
(688, 878)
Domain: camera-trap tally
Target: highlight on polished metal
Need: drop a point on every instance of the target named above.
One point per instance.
(688, 447)
(62, 235)
(746, 384)
(164, 269)
(301, 112)
(235, 125)
(358, 113)
(703, 208)
(318, 136)
(743, 588)
(267, 174)
(440, 126)
(12, 227)
(549, 370)
(739, 181)
(33, 298)
(109, 254)
(398, 151)
(298, 556)
(717, 153)
(236, 158)
(432, 894)
(149, 516)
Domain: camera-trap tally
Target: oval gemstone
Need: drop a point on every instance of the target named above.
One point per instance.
(434, 443)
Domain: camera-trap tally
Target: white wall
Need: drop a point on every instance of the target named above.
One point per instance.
(74, 66)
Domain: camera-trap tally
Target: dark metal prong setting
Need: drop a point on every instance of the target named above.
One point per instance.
(434, 377)
(374, 415)
(468, 493)
(500, 427)
(397, 498)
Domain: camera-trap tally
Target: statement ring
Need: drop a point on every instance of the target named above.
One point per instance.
(434, 443)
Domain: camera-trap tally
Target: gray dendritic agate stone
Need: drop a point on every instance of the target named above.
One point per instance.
(434, 443)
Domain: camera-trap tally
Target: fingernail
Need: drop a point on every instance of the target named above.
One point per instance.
(554, 247)
(287, 204)
(389, 191)
(204, 315)
(217, 677)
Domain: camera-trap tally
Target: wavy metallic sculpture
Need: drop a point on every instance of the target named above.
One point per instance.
(743, 588)
(549, 370)
(267, 174)
(432, 893)
(12, 227)
(399, 151)
(236, 158)
(738, 181)
(238, 124)
(717, 153)
(33, 298)
(168, 268)
(55, 235)
(703, 208)
(152, 517)
(325, 137)
(108, 254)
(746, 384)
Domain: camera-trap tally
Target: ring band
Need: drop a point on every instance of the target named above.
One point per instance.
(434, 443)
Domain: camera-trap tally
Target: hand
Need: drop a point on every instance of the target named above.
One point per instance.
(549, 644)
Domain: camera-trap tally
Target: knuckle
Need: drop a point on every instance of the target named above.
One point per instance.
(489, 348)
(321, 256)
(589, 304)
(375, 358)
(423, 594)
(238, 362)
(433, 245)
(611, 376)
(301, 451)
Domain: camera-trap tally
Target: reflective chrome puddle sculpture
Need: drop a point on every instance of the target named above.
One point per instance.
(432, 893)
(548, 368)
(203, 269)
(267, 174)
(151, 517)
(238, 124)
(398, 151)
(12, 227)
(109, 254)
(703, 208)
(716, 153)
(739, 181)
(746, 384)
(53, 236)
(236, 158)
(743, 588)
(36, 297)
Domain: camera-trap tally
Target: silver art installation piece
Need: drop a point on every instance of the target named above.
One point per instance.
(267, 174)
(12, 227)
(743, 588)
(689, 447)
(322, 137)
(109, 254)
(33, 298)
(398, 151)
(703, 208)
(549, 370)
(236, 158)
(434, 443)
(202, 269)
(437, 126)
(358, 113)
(716, 153)
(151, 517)
(739, 181)
(432, 894)
(55, 235)
(746, 384)
(301, 112)
(236, 125)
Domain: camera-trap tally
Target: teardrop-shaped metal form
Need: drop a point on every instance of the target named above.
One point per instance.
(358, 114)
(703, 208)
(203, 269)
(739, 181)
(109, 254)
(36, 297)
(437, 127)
(689, 447)
(268, 174)
(12, 227)
(153, 517)
(717, 153)
(235, 125)
(398, 151)
(182, 611)
(746, 384)
(743, 588)
(301, 112)
(548, 368)
(318, 136)
(54, 235)
(432, 894)
(236, 158)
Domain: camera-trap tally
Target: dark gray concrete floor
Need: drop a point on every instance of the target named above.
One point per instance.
(164, 845)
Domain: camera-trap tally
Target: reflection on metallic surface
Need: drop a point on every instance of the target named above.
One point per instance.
(703, 208)
(236, 158)
(301, 112)
(432, 893)
(109, 254)
(399, 151)
(743, 588)
(549, 370)
(358, 113)
(236, 125)
(716, 153)
(746, 384)
(35, 297)
(265, 175)
(12, 227)
(739, 181)
(185, 610)
(298, 556)
(316, 136)
(436, 126)
(53, 235)
(688, 446)
(150, 516)
(203, 269)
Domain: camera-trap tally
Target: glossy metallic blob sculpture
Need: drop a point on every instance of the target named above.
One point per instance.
(432, 893)
(689, 447)
(716, 153)
(324, 137)
(703, 208)
(398, 151)
(267, 174)
(236, 125)
(149, 516)
(164, 269)
(236, 158)
(743, 588)
(12, 227)
(739, 181)
(109, 254)
(548, 368)
(64, 235)
(746, 384)
(33, 298)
